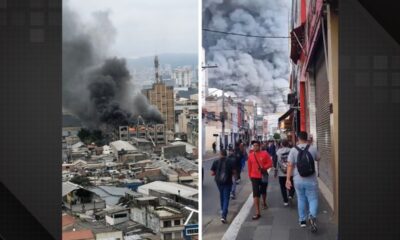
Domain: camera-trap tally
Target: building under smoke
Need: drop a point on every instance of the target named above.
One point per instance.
(162, 96)
(97, 88)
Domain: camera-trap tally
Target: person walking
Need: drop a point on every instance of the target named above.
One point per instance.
(243, 149)
(223, 171)
(281, 171)
(271, 149)
(259, 162)
(302, 167)
(214, 147)
(232, 159)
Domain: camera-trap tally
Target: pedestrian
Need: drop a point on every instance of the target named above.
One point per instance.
(214, 147)
(223, 171)
(271, 149)
(302, 167)
(259, 162)
(232, 159)
(281, 171)
(243, 149)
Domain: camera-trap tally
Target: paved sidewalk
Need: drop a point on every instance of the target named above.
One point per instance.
(281, 223)
(209, 156)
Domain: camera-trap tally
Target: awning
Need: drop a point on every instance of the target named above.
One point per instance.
(285, 115)
(297, 42)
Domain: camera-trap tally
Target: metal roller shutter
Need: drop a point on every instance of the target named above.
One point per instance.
(323, 120)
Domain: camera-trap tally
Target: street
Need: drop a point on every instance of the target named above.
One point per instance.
(277, 222)
(212, 226)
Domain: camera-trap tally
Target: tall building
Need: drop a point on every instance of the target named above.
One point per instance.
(162, 97)
(183, 76)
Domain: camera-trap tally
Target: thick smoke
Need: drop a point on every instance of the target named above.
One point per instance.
(259, 66)
(97, 88)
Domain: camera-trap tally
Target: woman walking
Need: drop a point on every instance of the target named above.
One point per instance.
(259, 162)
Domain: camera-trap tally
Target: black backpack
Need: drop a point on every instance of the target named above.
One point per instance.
(305, 162)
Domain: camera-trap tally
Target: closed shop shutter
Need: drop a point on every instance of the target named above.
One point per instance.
(323, 128)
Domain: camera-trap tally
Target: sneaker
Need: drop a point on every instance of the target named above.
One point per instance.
(223, 220)
(313, 224)
(290, 197)
(238, 181)
(233, 196)
(285, 204)
(303, 224)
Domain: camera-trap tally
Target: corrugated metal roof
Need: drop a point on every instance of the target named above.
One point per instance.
(119, 145)
(68, 187)
(169, 187)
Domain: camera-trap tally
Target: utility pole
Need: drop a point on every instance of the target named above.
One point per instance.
(223, 117)
(255, 123)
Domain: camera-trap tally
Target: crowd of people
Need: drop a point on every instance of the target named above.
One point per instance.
(292, 164)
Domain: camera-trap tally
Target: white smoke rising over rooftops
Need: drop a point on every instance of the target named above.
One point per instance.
(260, 66)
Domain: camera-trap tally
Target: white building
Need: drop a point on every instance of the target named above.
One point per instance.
(169, 187)
(183, 76)
(120, 145)
(163, 220)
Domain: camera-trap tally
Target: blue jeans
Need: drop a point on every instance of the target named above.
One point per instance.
(307, 194)
(233, 191)
(224, 194)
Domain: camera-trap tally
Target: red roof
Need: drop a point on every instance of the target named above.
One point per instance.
(67, 220)
(78, 235)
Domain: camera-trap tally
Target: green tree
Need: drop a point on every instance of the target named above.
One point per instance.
(81, 180)
(277, 136)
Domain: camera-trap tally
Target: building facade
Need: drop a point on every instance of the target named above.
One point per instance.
(314, 86)
(162, 97)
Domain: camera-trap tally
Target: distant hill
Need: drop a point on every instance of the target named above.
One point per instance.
(174, 59)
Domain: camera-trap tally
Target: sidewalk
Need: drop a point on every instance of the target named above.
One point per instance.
(281, 223)
(209, 155)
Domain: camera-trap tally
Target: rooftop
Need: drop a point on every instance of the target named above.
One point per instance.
(119, 145)
(168, 187)
(78, 235)
(67, 220)
(68, 187)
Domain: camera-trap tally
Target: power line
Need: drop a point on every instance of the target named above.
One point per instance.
(242, 35)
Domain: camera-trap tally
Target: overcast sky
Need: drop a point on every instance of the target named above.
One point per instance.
(147, 27)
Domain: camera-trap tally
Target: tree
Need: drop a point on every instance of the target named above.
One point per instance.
(81, 180)
(277, 136)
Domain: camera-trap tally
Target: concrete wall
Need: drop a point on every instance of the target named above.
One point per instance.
(139, 215)
(110, 236)
(173, 151)
(110, 219)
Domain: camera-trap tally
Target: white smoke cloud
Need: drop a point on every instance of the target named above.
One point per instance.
(260, 67)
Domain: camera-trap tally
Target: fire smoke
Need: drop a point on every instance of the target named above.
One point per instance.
(97, 88)
(259, 66)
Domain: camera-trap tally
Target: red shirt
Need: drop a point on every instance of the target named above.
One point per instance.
(264, 161)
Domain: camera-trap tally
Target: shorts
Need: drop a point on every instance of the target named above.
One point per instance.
(259, 187)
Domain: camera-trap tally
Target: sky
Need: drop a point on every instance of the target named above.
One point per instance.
(258, 67)
(146, 27)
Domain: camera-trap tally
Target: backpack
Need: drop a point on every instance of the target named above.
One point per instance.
(284, 162)
(221, 176)
(305, 162)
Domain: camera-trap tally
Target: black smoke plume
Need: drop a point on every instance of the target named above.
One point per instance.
(98, 89)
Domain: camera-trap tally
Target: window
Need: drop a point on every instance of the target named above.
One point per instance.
(121, 215)
(167, 224)
(177, 222)
(167, 236)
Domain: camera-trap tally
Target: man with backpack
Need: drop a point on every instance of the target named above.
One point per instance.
(223, 171)
(281, 171)
(302, 167)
